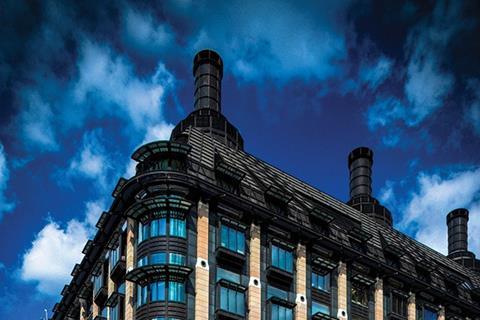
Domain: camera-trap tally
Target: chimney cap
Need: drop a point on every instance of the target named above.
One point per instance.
(208, 56)
(457, 213)
(360, 152)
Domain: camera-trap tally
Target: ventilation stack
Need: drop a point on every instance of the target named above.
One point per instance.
(360, 162)
(457, 223)
(207, 112)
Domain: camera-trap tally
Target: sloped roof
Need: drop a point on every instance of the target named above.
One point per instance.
(261, 175)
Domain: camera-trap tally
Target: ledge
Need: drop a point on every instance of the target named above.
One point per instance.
(279, 275)
(230, 257)
(225, 315)
(149, 273)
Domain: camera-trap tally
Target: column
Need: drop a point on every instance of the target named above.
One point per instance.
(129, 265)
(379, 299)
(441, 313)
(83, 309)
(110, 286)
(301, 283)
(412, 308)
(342, 291)
(254, 286)
(202, 303)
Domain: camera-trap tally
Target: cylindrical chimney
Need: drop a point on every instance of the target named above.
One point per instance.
(360, 162)
(208, 73)
(457, 221)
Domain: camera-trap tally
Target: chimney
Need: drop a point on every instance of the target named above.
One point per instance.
(360, 162)
(457, 221)
(208, 73)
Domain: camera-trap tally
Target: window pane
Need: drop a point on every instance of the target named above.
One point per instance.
(275, 256)
(289, 261)
(154, 228)
(223, 298)
(240, 242)
(227, 275)
(176, 291)
(240, 303)
(232, 299)
(178, 228)
(177, 258)
(158, 258)
(275, 292)
(157, 290)
(232, 239)
(320, 307)
(430, 314)
(274, 312)
(224, 236)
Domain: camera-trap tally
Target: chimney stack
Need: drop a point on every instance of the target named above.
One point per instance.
(457, 221)
(360, 162)
(208, 73)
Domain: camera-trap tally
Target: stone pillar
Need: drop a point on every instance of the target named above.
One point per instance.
(301, 283)
(95, 310)
(83, 309)
(254, 285)
(110, 285)
(342, 290)
(202, 303)
(441, 313)
(379, 299)
(412, 307)
(129, 265)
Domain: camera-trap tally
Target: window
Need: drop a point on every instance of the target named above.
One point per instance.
(178, 228)
(114, 256)
(142, 293)
(395, 303)
(280, 312)
(161, 258)
(158, 227)
(157, 291)
(318, 307)
(114, 312)
(97, 283)
(232, 239)
(176, 291)
(232, 301)
(359, 293)
(227, 275)
(424, 313)
(321, 282)
(282, 258)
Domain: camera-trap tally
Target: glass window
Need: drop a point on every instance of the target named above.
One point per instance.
(275, 292)
(232, 239)
(157, 291)
(142, 232)
(176, 258)
(113, 311)
(142, 262)
(97, 283)
(359, 293)
(158, 227)
(158, 258)
(426, 314)
(320, 307)
(114, 256)
(321, 282)
(399, 304)
(227, 275)
(282, 258)
(176, 291)
(178, 228)
(281, 313)
(232, 301)
(141, 295)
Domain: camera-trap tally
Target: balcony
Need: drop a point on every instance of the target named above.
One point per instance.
(230, 257)
(101, 295)
(118, 270)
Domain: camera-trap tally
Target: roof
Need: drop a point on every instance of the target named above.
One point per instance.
(260, 176)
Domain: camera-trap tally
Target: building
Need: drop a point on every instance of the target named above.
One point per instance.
(205, 230)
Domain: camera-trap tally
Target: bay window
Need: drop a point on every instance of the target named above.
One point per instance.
(281, 258)
(278, 312)
(321, 281)
(158, 228)
(232, 239)
(232, 301)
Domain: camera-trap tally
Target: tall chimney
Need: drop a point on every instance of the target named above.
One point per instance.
(208, 73)
(360, 162)
(457, 221)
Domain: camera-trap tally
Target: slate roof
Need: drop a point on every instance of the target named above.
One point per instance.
(261, 175)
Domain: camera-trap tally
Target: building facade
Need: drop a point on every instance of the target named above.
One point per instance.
(205, 230)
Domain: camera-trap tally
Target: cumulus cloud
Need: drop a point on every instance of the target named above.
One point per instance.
(273, 39)
(110, 81)
(91, 161)
(5, 205)
(37, 266)
(435, 195)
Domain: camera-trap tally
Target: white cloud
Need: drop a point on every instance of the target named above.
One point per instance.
(144, 34)
(111, 81)
(36, 122)
(375, 74)
(61, 245)
(52, 256)
(91, 161)
(436, 195)
(5, 205)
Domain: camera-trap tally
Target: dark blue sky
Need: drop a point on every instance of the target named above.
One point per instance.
(83, 83)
